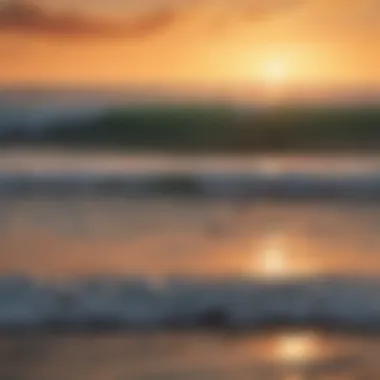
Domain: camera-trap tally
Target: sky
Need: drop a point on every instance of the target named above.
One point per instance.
(286, 43)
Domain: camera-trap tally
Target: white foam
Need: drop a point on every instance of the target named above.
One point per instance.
(254, 184)
(101, 302)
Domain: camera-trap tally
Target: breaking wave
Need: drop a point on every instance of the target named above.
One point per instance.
(246, 185)
(101, 303)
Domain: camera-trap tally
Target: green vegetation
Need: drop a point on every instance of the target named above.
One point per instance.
(219, 128)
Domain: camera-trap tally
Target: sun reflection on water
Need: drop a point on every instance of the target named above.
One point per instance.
(307, 355)
(272, 259)
(297, 347)
(282, 256)
(274, 262)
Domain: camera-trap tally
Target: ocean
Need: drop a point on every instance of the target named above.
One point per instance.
(154, 266)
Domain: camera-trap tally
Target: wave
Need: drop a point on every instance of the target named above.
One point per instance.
(192, 126)
(247, 185)
(101, 303)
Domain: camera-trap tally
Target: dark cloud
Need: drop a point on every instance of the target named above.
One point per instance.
(19, 17)
(24, 17)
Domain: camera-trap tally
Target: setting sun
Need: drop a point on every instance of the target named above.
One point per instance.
(275, 72)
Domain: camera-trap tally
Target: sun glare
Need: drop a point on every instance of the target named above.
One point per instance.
(274, 72)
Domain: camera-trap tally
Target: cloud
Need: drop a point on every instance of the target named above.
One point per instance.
(27, 18)
(19, 17)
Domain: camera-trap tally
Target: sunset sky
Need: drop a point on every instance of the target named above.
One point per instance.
(287, 42)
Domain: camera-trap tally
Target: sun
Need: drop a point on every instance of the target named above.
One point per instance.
(275, 72)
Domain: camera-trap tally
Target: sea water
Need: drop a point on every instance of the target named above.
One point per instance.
(162, 267)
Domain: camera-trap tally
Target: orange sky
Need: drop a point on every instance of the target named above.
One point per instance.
(307, 42)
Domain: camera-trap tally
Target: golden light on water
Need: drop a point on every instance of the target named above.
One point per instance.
(296, 351)
(283, 255)
(297, 347)
(273, 262)
(272, 259)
